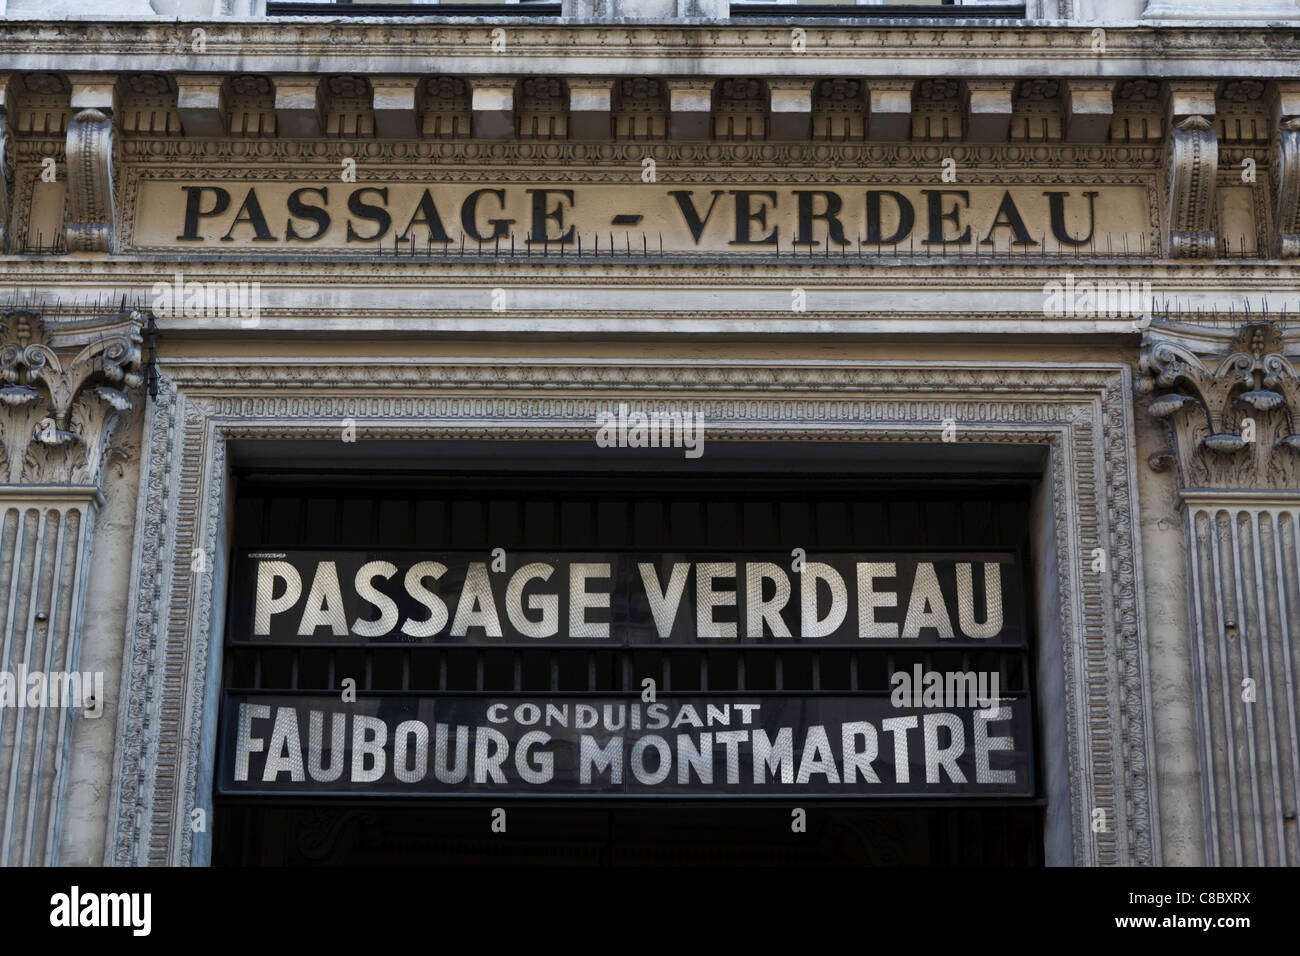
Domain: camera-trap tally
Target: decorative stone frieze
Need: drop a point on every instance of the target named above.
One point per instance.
(1242, 112)
(542, 110)
(250, 105)
(347, 107)
(839, 110)
(147, 105)
(937, 110)
(1138, 113)
(445, 108)
(741, 109)
(1037, 111)
(640, 108)
(41, 105)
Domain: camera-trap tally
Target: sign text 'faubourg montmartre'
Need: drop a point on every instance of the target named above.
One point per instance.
(428, 743)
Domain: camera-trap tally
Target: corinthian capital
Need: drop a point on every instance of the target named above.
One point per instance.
(63, 392)
(1230, 398)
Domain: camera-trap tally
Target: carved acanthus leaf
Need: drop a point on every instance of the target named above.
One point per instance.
(1231, 416)
(63, 395)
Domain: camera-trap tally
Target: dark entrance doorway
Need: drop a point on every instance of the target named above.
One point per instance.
(555, 511)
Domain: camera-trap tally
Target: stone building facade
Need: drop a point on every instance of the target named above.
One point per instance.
(1051, 242)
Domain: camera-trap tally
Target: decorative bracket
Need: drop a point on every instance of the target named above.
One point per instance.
(1193, 158)
(92, 212)
(1286, 169)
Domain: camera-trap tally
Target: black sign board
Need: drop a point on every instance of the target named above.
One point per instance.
(548, 746)
(628, 598)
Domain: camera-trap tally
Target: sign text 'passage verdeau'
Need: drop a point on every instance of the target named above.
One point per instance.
(627, 598)
(721, 218)
(818, 745)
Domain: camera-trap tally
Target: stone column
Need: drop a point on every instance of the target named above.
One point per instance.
(64, 391)
(1231, 400)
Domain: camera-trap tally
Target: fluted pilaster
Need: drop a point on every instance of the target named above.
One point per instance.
(1230, 399)
(65, 390)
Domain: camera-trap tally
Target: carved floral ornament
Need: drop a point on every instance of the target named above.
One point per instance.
(62, 397)
(1232, 415)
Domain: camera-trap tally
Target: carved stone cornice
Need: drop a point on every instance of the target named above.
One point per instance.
(1230, 400)
(91, 206)
(64, 392)
(334, 47)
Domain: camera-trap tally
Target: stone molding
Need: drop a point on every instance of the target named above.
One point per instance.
(1080, 413)
(620, 49)
(1231, 401)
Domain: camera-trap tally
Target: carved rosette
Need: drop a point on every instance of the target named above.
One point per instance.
(63, 393)
(91, 206)
(1231, 413)
(1193, 166)
(1286, 187)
